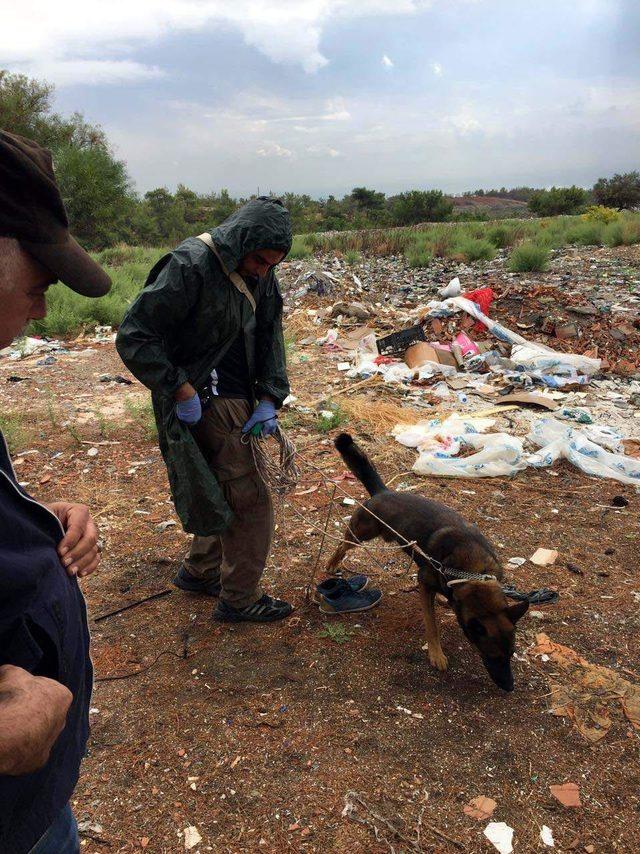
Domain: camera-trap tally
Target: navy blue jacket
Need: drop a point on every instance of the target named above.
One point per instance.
(43, 628)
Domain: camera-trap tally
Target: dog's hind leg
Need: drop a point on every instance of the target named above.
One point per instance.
(432, 628)
(362, 527)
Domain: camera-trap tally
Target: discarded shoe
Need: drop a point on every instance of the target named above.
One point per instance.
(355, 583)
(185, 581)
(265, 610)
(344, 600)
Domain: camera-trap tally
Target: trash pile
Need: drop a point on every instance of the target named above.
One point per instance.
(450, 354)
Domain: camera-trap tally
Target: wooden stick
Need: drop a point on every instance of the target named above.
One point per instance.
(132, 605)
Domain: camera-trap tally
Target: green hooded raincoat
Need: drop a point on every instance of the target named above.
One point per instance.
(181, 325)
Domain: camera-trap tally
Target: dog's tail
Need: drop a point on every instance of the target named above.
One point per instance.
(360, 464)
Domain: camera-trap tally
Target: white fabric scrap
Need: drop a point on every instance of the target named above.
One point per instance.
(547, 836)
(500, 835)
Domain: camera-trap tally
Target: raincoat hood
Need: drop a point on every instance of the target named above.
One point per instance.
(263, 223)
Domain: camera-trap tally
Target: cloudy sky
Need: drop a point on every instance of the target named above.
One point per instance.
(320, 96)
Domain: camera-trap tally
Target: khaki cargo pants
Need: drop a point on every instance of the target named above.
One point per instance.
(237, 556)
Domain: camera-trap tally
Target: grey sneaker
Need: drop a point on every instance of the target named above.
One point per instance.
(265, 610)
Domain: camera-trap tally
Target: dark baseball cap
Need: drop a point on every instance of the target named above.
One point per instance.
(32, 212)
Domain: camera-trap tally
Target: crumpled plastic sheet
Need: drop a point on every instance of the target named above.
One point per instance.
(584, 449)
(499, 454)
(438, 443)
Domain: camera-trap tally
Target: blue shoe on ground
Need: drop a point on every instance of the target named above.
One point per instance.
(196, 585)
(344, 600)
(329, 585)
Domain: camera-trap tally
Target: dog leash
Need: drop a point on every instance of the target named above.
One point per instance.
(543, 596)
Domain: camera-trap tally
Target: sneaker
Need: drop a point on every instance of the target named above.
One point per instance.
(329, 585)
(265, 610)
(187, 582)
(343, 600)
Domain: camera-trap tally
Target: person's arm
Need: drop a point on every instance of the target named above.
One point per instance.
(271, 363)
(33, 711)
(158, 310)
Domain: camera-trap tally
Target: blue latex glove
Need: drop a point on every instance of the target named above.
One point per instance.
(264, 415)
(189, 411)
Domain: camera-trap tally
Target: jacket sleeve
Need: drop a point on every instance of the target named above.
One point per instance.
(157, 310)
(271, 361)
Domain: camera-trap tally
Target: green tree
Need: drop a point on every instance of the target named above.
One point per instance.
(558, 200)
(96, 192)
(420, 206)
(621, 191)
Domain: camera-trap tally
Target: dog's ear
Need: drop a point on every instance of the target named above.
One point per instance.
(515, 612)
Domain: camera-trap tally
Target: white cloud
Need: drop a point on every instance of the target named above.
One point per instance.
(336, 111)
(64, 72)
(37, 32)
(388, 63)
(437, 69)
(323, 150)
(274, 149)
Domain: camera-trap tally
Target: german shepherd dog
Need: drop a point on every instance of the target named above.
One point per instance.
(483, 612)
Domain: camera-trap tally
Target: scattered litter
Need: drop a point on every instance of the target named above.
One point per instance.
(587, 693)
(48, 360)
(191, 838)
(500, 835)
(544, 557)
(517, 561)
(349, 502)
(546, 836)
(104, 333)
(92, 452)
(568, 794)
(480, 808)
(453, 289)
(353, 309)
(117, 378)
(170, 523)
(25, 347)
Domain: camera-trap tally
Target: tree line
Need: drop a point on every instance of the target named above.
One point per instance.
(104, 208)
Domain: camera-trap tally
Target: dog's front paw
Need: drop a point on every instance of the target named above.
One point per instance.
(438, 659)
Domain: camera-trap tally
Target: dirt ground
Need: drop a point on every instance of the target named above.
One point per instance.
(257, 735)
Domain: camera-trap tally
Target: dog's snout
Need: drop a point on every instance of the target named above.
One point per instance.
(499, 669)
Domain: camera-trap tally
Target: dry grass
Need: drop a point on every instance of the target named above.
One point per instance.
(377, 416)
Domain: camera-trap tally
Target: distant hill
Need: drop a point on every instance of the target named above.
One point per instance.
(492, 205)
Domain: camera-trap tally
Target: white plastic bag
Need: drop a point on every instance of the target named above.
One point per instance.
(558, 441)
(498, 454)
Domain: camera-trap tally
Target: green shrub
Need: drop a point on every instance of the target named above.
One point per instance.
(418, 256)
(116, 256)
(529, 257)
(501, 236)
(631, 232)
(476, 250)
(327, 422)
(558, 200)
(352, 256)
(614, 234)
(14, 431)
(300, 248)
(600, 213)
(586, 234)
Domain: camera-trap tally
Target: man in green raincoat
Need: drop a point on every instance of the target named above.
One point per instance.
(205, 336)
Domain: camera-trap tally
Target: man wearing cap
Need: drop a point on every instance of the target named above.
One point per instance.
(45, 670)
(205, 335)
